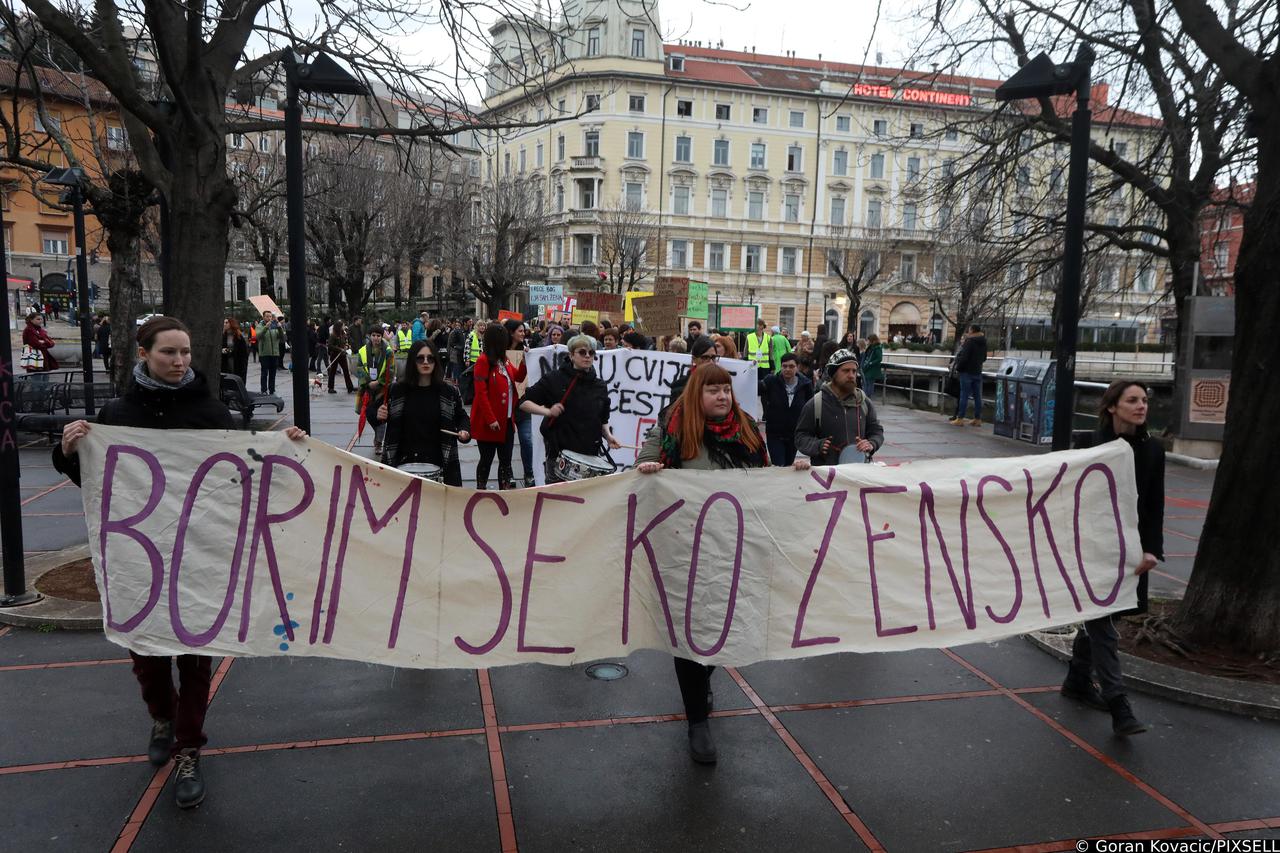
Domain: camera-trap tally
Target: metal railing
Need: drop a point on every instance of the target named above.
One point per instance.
(1161, 367)
(937, 376)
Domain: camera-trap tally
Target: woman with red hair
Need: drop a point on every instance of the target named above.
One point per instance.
(706, 430)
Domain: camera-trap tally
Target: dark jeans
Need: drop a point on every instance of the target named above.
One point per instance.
(970, 386)
(340, 363)
(503, 450)
(1096, 648)
(695, 681)
(524, 423)
(270, 364)
(782, 450)
(186, 706)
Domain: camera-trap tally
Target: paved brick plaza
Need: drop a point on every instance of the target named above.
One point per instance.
(968, 748)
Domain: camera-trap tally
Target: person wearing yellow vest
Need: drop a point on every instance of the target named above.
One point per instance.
(474, 347)
(375, 371)
(404, 337)
(759, 345)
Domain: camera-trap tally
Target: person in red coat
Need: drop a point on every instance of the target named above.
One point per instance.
(493, 413)
(37, 338)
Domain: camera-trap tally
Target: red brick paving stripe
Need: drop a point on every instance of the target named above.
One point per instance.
(497, 766)
(53, 515)
(1055, 846)
(815, 773)
(75, 762)
(1183, 535)
(39, 495)
(1109, 762)
(5, 629)
(1246, 825)
(1185, 503)
(1168, 576)
(68, 664)
(143, 809)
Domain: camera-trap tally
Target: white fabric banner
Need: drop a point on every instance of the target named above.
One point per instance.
(639, 383)
(233, 543)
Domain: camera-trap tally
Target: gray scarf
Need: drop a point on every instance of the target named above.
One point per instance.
(146, 380)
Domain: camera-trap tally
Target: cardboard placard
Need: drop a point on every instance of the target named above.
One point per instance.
(595, 300)
(264, 304)
(659, 315)
(504, 316)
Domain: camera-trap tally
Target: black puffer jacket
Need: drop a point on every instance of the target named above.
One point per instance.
(586, 409)
(189, 407)
(1148, 468)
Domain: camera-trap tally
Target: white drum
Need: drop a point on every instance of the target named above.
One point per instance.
(580, 466)
(425, 470)
(851, 453)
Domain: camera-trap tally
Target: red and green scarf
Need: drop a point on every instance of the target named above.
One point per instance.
(722, 439)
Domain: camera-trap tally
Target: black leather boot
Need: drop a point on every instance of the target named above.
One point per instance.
(161, 742)
(1079, 686)
(702, 748)
(188, 784)
(1123, 722)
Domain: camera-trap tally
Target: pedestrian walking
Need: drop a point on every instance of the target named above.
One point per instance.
(425, 417)
(840, 421)
(338, 348)
(872, 365)
(1122, 413)
(705, 429)
(165, 393)
(574, 404)
(493, 413)
(103, 338)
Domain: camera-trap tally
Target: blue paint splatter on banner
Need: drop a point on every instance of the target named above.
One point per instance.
(279, 630)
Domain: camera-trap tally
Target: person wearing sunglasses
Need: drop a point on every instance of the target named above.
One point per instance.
(574, 404)
(425, 417)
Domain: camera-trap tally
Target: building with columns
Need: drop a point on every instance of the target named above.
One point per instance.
(759, 171)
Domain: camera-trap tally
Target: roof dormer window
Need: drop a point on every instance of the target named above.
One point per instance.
(675, 62)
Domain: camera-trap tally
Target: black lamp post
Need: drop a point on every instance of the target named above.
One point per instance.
(15, 577)
(321, 75)
(73, 195)
(1041, 78)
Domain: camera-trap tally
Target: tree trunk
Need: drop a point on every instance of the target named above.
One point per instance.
(200, 218)
(1234, 594)
(125, 299)
(398, 285)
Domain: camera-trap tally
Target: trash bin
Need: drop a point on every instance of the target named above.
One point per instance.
(1036, 385)
(1006, 420)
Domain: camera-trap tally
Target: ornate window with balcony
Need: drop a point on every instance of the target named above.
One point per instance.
(591, 143)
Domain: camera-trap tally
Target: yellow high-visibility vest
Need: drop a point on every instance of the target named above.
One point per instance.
(405, 337)
(473, 345)
(758, 349)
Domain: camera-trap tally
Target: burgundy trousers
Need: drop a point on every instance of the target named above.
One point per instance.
(185, 706)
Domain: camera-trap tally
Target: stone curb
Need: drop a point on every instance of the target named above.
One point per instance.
(1192, 461)
(58, 612)
(1208, 691)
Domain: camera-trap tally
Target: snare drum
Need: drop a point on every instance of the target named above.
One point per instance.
(425, 470)
(851, 453)
(580, 466)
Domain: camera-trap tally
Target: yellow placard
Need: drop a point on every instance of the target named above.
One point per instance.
(581, 315)
(627, 313)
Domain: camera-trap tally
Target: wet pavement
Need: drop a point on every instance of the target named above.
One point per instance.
(970, 748)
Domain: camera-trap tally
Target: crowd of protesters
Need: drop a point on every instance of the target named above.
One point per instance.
(415, 380)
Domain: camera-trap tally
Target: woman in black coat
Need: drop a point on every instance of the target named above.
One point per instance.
(574, 404)
(424, 415)
(1122, 413)
(165, 393)
(235, 349)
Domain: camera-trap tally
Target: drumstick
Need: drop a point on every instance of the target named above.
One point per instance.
(450, 432)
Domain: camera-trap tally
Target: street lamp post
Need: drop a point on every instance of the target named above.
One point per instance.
(71, 179)
(1041, 78)
(717, 310)
(321, 75)
(15, 577)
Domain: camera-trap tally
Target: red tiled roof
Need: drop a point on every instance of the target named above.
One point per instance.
(713, 72)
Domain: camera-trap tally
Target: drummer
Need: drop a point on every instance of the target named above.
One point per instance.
(574, 404)
(425, 417)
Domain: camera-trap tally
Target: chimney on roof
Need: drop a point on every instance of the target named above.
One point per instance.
(819, 57)
(753, 48)
(879, 58)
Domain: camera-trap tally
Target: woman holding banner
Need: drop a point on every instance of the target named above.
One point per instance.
(425, 417)
(574, 404)
(704, 430)
(165, 393)
(493, 414)
(1122, 413)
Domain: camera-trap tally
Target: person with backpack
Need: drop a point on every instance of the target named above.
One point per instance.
(840, 418)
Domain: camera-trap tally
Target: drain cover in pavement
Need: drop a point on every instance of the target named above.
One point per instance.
(606, 671)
